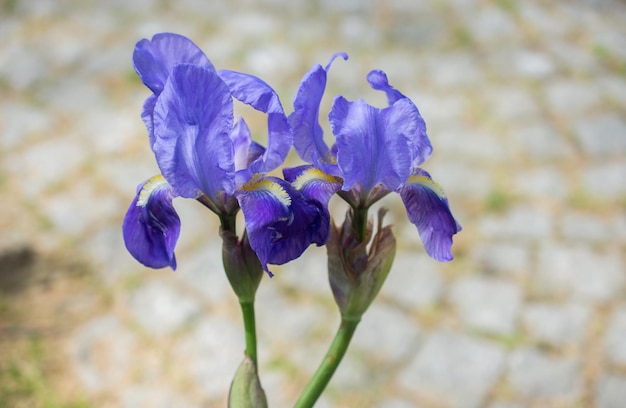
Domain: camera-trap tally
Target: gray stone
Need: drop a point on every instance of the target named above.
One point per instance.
(161, 309)
(538, 377)
(397, 403)
(575, 57)
(21, 122)
(614, 344)
(79, 207)
(287, 321)
(579, 271)
(521, 222)
(602, 136)
(606, 181)
(309, 273)
(462, 179)
(455, 69)
(454, 369)
(101, 352)
(502, 258)
(533, 15)
(414, 280)
(202, 270)
(385, 333)
(557, 325)
(614, 87)
(505, 405)
(45, 164)
(527, 64)
(211, 354)
(569, 98)
(491, 24)
(108, 132)
(542, 183)
(610, 391)
(511, 103)
(274, 59)
(487, 304)
(540, 142)
(153, 396)
(22, 66)
(481, 145)
(585, 227)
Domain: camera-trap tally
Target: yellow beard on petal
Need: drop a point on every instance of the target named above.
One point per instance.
(154, 183)
(257, 183)
(312, 174)
(428, 183)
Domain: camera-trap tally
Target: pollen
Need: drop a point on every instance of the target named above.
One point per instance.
(154, 183)
(310, 175)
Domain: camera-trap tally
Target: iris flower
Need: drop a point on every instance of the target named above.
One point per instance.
(203, 153)
(376, 151)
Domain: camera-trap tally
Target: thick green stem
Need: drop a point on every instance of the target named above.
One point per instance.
(360, 222)
(249, 324)
(327, 368)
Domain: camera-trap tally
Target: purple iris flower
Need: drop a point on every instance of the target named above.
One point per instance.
(204, 154)
(376, 151)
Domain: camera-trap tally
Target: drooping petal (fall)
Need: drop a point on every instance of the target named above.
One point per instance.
(154, 59)
(427, 208)
(308, 134)
(151, 225)
(258, 94)
(281, 223)
(193, 118)
(373, 145)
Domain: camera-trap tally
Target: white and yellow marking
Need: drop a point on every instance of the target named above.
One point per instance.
(428, 183)
(310, 175)
(153, 184)
(257, 183)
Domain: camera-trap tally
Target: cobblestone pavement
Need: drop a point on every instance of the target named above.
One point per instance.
(526, 108)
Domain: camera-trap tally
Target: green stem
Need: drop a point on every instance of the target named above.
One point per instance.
(327, 368)
(249, 324)
(360, 222)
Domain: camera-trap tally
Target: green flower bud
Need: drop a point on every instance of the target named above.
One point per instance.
(241, 264)
(355, 274)
(246, 390)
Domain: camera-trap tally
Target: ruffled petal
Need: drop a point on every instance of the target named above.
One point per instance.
(420, 144)
(428, 209)
(313, 183)
(373, 145)
(281, 223)
(151, 225)
(147, 115)
(378, 80)
(246, 151)
(154, 59)
(193, 118)
(308, 134)
(258, 94)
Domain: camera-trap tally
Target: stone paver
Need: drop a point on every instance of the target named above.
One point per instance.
(525, 104)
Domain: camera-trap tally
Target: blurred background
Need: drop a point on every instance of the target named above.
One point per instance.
(525, 104)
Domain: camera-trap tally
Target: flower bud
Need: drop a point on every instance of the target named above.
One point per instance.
(246, 390)
(355, 274)
(241, 265)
